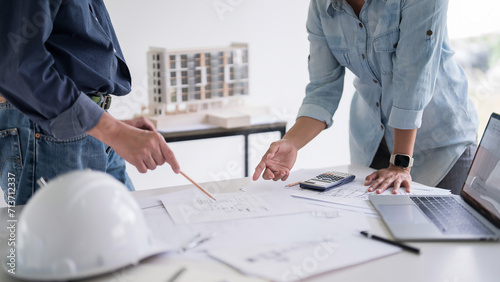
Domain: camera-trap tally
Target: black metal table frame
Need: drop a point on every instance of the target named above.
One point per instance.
(224, 132)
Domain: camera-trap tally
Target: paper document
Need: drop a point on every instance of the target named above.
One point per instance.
(188, 206)
(317, 221)
(354, 194)
(356, 190)
(294, 262)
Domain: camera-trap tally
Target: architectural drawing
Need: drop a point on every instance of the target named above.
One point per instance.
(183, 81)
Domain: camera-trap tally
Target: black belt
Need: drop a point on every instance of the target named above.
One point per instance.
(102, 99)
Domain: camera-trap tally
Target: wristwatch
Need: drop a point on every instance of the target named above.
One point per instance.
(401, 160)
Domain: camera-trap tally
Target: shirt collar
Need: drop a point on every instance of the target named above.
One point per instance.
(338, 5)
(335, 4)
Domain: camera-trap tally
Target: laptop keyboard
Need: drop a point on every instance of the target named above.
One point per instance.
(450, 216)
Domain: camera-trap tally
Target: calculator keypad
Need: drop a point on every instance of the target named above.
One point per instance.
(327, 180)
(332, 176)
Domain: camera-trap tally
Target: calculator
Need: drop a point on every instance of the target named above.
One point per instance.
(327, 180)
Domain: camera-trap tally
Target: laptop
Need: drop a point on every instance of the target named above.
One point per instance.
(474, 215)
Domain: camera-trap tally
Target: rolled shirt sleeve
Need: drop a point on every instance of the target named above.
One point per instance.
(82, 116)
(417, 61)
(326, 74)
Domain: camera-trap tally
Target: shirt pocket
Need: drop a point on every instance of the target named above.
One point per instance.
(385, 47)
(338, 47)
(96, 24)
(342, 56)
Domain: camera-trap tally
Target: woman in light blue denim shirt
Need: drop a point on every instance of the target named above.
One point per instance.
(411, 96)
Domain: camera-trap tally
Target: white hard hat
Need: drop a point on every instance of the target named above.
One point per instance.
(81, 224)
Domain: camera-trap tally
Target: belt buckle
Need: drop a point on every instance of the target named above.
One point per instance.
(106, 102)
(102, 99)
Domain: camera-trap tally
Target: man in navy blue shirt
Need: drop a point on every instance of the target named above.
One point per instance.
(59, 61)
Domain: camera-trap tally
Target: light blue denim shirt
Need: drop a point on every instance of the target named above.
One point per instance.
(406, 78)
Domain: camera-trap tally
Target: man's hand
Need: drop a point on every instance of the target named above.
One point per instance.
(392, 176)
(277, 161)
(145, 149)
(141, 122)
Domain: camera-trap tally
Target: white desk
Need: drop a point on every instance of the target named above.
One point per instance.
(443, 262)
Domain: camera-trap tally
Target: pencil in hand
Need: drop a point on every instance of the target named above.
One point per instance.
(292, 184)
(198, 186)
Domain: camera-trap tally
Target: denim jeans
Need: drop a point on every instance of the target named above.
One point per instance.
(27, 153)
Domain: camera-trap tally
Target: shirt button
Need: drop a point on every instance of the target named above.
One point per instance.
(429, 32)
(382, 127)
(360, 25)
(396, 45)
(363, 56)
(375, 81)
(377, 104)
(114, 50)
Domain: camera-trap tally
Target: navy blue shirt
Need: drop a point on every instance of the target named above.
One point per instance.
(52, 52)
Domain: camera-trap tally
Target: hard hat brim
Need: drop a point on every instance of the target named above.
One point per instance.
(157, 247)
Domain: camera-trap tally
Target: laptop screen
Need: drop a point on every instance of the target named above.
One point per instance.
(482, 186)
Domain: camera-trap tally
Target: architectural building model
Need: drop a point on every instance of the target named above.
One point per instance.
(184, 81)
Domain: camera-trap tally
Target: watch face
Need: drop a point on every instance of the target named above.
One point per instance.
(401, 160)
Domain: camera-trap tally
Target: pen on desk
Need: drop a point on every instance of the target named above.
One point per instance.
(197, 240)
(292, 184)
(394, 243)
(198, 186)
(177, 274)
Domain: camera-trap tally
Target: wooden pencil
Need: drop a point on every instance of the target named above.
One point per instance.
(198, 186)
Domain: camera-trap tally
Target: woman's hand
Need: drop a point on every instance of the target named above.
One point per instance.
(277, 161)
(281, 155)
(393, 176)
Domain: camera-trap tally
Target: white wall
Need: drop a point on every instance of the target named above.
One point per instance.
(275, 31)
(278, 50)
(472, 18)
